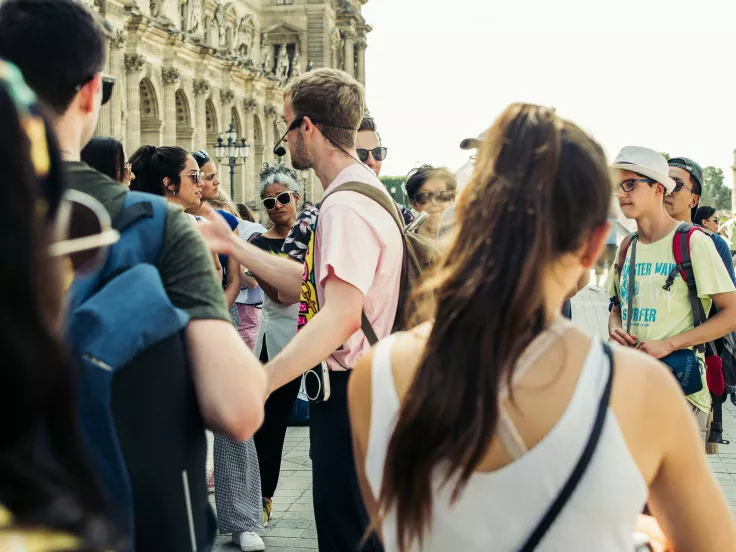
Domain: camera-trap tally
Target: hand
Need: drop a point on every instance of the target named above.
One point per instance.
(619, 336)
(658, 349)
(217, 235)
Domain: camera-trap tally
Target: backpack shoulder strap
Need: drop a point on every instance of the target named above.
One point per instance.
(142, 224)
(623, 250)
(383, 199)
(684, 267)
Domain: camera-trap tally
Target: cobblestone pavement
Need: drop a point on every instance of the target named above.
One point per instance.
(292, 525)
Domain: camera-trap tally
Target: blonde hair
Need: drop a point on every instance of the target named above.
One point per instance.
(333, 100)
(224, 203)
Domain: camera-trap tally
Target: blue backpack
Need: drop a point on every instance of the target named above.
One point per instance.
(139, 413)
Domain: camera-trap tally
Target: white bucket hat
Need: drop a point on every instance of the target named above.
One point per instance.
(647, 162)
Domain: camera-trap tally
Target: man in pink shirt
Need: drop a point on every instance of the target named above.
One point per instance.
(357, 266)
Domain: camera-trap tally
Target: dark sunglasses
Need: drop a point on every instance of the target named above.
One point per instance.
(201, 154)
(108, 83)
(426, 197)
(284, 199)
(379, 154)
(679, 186)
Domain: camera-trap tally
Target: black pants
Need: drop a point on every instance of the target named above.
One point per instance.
(338, 505)
(269, 438)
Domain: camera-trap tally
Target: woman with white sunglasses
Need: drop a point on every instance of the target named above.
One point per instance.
(280, 197)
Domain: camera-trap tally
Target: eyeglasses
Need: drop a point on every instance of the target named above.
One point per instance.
(82, 231)
(379, 154)
(679, 185)
(442, 197)
(283, 128)
(629, 184)
(284, 198)
(715, 220)
(197, 176)
(108, 83)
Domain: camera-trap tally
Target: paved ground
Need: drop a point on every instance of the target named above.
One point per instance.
(292, 526)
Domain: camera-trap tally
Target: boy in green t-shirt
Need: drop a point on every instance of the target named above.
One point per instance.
(662, 321)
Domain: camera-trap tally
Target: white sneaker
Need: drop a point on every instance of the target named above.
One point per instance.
(248, 541)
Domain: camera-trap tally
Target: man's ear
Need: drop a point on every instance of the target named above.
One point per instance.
(89, 92)
(695, 201)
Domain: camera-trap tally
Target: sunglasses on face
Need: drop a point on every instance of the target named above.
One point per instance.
(423, 198)
(629, 184)
(197, 176)
(283, 128)
(108, 83)
(284, 198)
(82, 231)
(379, 154)
(679, 186)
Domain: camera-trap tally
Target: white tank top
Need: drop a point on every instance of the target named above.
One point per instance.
(499, 510)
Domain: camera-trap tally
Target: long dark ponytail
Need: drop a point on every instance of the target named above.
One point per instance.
(540, 187)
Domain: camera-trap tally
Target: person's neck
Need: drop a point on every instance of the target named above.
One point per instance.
(175, 200)
(68, 138)
(655, 226)
(282, 230)
(331, 164)
(196, 211)
(430, 228)
(683, 217)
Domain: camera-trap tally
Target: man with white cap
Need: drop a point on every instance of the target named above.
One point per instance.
(651, 307)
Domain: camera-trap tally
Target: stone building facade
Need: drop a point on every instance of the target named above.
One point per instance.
(187, 69)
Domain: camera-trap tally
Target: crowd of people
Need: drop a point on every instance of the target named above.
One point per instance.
(452, 405)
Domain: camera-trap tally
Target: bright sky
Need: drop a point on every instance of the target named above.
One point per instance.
(654, 73)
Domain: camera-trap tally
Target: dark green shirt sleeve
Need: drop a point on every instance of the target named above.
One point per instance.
(188, 270)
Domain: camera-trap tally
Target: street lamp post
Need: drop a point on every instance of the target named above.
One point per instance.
(233, 154)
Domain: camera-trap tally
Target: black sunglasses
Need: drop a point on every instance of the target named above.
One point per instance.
(108, 83)
(203, 155)
(423, 198)
(379, 154)
(284, 198)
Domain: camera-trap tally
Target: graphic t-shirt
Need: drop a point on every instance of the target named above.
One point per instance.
(658, 314)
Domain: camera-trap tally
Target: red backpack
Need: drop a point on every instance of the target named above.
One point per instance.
(684, 267)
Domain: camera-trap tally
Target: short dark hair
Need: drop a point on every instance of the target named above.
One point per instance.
(151, 165)
(703, 213)
(105, 155)
(418, 177)
(57, 44)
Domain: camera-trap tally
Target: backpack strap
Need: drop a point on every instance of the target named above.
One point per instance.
(385, 201)
(618, 267)
(684, 267)
(142, 226)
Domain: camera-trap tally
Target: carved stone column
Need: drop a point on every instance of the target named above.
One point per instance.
(362, 45)
(170, 79)
(349, 56)
(133, 65)
(201, 91)
(269, 139)
(117, 68)
(227, 97)
(252, 186)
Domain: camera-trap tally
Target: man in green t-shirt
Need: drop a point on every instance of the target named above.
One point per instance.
(662, 321)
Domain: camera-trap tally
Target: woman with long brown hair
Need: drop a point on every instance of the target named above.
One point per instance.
(500, 426)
